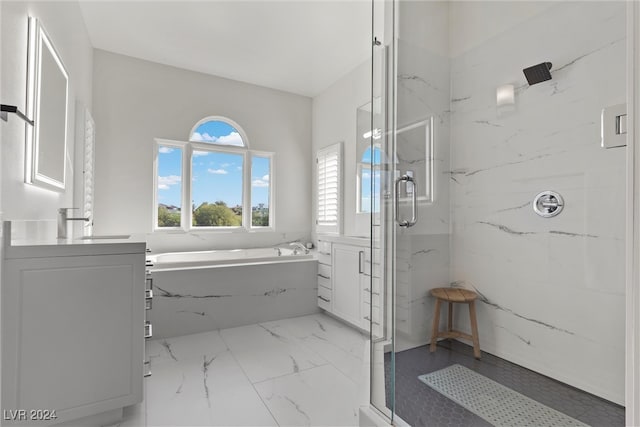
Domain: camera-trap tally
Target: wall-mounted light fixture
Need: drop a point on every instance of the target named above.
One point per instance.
(505, 100)
(505, 95)
(6, 109)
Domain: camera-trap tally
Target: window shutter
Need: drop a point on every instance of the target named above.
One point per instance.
(329, 189)
(88, 177)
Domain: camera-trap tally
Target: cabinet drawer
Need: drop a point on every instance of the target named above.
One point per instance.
(324, 247)
(324, 298)
(324, 258)
(366, 298)
(368, 314)
(368, 269)
(324, 271)
(324, 282)
(374, 283)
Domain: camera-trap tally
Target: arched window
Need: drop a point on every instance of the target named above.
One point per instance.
(220, 131)
(226, 185)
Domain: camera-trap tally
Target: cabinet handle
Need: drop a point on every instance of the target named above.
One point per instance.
(360, 262)
(368, 319)
(148, 330)
(324, 299)
(148, 294)
(324, 277)
(147, 368)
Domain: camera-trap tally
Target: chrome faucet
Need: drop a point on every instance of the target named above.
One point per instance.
(299, 247)
(62, 221)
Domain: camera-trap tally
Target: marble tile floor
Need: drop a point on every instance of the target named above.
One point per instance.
(302, 371)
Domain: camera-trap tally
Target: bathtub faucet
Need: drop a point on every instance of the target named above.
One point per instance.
(278, 251)
(299, 248)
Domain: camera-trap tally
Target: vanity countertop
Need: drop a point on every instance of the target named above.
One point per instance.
(51, 247)
(346, 240)
(56, 248)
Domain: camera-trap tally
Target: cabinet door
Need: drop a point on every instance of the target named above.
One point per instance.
(346, 267)
(73, 334)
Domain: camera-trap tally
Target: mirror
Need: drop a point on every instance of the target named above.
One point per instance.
(48, 85)
(414, 157)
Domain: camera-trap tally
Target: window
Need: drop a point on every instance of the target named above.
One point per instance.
(329, 189)
(169, 186)
(224, 184)
(216, 188)
(260, 191)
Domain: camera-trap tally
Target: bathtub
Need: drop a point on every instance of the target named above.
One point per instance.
(207, 290)
(181, 260)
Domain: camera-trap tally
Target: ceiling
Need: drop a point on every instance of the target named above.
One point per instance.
(299, 46)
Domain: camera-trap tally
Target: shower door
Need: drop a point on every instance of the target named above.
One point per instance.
(411, 235)
(460, 169)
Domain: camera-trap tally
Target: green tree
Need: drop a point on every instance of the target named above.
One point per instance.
(168, 219)
(216, 214)
(260, 218)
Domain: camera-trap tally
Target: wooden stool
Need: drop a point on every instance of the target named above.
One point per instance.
(452, 295)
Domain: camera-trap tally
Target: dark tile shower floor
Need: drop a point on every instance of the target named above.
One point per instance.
(420, 405)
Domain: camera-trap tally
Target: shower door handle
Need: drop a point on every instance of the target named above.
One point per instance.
(414, 205)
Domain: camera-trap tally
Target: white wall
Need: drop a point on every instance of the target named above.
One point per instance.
(63, 21)
(552, 289)
(136, 101)
(334, 120)
(472, 23)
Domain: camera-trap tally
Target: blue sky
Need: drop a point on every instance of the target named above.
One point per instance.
(216, 176)
(365, 180)
(217, 132)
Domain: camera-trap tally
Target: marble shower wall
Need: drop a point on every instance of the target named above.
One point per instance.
(552, 289)
(423, 93)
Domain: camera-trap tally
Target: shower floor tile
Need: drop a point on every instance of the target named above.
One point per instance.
(420, 405)
(300, 371)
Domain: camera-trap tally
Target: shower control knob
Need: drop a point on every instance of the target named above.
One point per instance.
(548, 204)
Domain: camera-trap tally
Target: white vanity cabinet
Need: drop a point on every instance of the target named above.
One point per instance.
(325, 282)
(349, 286)
(72, 328)
(372, 296)
(347, 272)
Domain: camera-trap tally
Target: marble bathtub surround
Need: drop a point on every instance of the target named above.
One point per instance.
(193, 300)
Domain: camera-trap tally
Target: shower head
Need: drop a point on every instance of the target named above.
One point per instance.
(538, 73)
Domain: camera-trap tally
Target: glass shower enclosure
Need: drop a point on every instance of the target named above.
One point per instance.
(461, 145)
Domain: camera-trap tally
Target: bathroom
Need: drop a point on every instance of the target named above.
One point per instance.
(363, 153)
